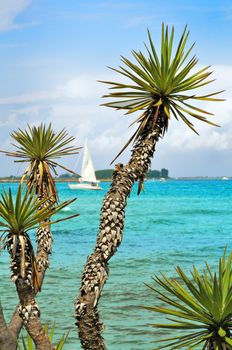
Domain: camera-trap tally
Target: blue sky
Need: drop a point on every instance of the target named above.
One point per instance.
(53, 52)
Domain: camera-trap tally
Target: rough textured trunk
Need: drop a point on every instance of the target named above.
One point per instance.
(16, 324)
(28, 308)
(7, 339)
(23, 274)
(43, 234)
(29, 312)
(44, 247)
(110, 236)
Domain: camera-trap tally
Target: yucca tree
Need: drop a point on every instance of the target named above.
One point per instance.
(17, 219)
(198, 308)
(40, 147)
(160, 87)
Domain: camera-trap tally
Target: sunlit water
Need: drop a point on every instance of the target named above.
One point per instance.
(172, 223)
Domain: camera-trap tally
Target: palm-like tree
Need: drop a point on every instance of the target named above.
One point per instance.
(17, 219)
(40, 147)
(200, 305)
(160, 88)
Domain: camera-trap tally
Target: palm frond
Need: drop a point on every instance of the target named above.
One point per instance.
(26, 212)
(41, 146)
(165, 79)
(201, 304)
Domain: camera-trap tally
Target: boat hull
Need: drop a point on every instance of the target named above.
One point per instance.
(84, 187)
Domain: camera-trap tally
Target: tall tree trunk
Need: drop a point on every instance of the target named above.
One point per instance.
(110, 236)
(44, 248)
(43, 234)
(28, 285)
(7, 339)
(29, 312)
(28, 308)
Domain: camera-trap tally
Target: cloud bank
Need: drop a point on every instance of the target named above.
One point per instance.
(75, 105)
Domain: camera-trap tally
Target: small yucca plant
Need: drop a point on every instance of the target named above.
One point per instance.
(41, 146)
(27, 343)
(20, 216)
(201, 307)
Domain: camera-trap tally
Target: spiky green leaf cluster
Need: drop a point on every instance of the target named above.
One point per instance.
(162, 86)
(42, 143)
(26, 212)
(27, 343)
(20, 216)
(41, 146)
(201, 306)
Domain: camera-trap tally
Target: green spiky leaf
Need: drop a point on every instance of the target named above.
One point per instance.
(41, 146)
(202, 304)
(161, 82)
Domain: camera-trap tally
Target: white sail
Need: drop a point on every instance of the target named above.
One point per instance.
(88, 179)
(87, 170)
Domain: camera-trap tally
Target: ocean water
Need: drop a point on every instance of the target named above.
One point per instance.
(171, 223)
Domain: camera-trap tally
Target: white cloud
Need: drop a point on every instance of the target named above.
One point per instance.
(181, 138)
(75, 105)
(81, 87)
(31, 97)
(78, 88)
(9, 10)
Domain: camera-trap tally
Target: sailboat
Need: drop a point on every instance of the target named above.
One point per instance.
(88, 179)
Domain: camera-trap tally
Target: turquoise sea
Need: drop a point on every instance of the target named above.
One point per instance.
(171, 223)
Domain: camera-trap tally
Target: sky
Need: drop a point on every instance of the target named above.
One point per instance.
(53, 53)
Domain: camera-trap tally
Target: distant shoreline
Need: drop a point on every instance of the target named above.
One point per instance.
(65, 180)
(5, 180)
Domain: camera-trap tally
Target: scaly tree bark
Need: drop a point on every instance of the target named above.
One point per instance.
(110, 236)
(157, 88)
(17, 218)
(7, 338)
(29, 312)
(44, 236)
(44, 249)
